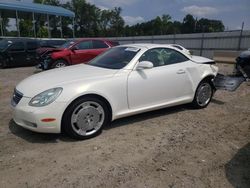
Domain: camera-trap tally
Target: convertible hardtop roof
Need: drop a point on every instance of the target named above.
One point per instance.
(196, 59)
(184, 51)
(150, 45)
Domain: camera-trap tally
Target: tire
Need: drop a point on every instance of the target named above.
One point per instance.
(3, 65)
(59, 63)
(203, 94)
(85, 118)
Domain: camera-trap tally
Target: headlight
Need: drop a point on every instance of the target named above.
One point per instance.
(45, 97)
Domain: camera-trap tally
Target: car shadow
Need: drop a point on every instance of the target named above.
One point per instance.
(37, 71)
(146, 116)
(238, 168)
(34, 137)
(216, 101)
(16, 67)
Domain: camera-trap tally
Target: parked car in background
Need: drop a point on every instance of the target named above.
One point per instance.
(73, 52)
(47, 45)
(18, 52)
(123, 81)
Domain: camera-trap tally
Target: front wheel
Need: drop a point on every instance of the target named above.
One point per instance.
(203, 95)
(85, 118)
(3, 65)
(59, 63)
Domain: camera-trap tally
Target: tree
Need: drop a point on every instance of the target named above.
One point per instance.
(25, 27)
(206, 25)
(48, 2)
(175, 27)
(41, 23)
(166, 24)
(111, 23)
(86, 17)
(116, 22)
(188, 25)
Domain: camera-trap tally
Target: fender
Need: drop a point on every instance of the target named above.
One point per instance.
(61, 55)
(92, 93)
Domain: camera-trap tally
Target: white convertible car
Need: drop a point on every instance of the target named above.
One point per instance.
(123, 81)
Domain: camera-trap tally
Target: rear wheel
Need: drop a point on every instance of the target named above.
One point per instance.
(59, 63)
(85, 118)
(203, 95)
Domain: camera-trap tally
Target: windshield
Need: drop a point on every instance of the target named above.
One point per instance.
(4, 44)
(67, 44)
(115, 58)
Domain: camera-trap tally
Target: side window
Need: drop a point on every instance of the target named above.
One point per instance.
(31, 46)
(171, 56)
(163, 56)
(43, 43)
(99, 44)
(17, 46)
(154, 56)
(57, 42)
(84, 45)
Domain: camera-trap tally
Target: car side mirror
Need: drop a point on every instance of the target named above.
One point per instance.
(145, 65)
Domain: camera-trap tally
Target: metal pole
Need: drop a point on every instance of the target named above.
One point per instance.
(34, 23)
(1, 20)
(240, 37)
(49, 34)
(202, 42)
(61, 27)
(17, 24)
(73, 27)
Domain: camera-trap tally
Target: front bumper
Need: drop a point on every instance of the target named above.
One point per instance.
(44, 64)
(229, 83)
(31, 117)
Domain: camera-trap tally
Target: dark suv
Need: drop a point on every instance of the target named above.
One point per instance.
(16, 52)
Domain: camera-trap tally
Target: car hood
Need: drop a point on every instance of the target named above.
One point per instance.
(40, 82)
(201, 60)
(43, 50)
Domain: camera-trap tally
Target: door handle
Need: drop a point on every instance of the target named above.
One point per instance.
(181, 71)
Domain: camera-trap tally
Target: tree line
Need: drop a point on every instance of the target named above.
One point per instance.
(164, 25)
(91, 21)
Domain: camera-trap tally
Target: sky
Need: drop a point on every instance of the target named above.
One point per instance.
(231, 12)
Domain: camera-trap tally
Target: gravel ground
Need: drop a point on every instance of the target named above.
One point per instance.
(173, 147)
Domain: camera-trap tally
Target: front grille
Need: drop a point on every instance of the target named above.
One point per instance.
(17, 96)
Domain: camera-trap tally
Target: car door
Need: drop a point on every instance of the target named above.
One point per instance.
(82, 52)
(166, 83)
(31, 47)
(17, 53)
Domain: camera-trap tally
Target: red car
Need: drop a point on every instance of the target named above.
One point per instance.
(72, 52)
